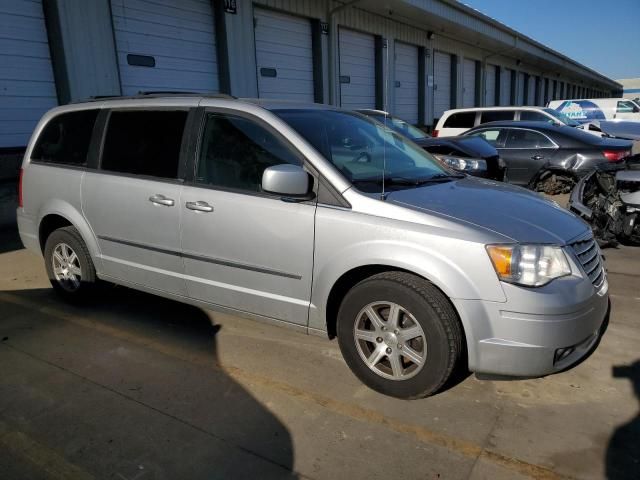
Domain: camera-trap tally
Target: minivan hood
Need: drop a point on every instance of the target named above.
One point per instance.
(511, 211)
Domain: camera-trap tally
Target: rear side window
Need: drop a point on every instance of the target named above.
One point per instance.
(495, 137)
(144, 142)
(460, 120)
(534, 116)
(496, 116)
(65, 139)
(519, 138)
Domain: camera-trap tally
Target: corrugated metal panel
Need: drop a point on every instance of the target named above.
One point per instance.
(357, 70)
(442, 83)
(490, 86)
(180, 37)
(468, 83)
(531, 93)
(284, 56)
(505, 86)
(520, 96)
(26, 77)
(406, 82)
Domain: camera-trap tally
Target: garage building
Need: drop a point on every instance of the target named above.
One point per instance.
(413, 58)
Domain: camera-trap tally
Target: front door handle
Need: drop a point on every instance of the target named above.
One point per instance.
(200, 206)
(537, 157)
(159, 199)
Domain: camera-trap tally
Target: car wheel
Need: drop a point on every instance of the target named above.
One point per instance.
(399, 334)
(69, 265)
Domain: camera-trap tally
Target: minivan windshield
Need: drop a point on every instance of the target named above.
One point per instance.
(562, 117)
(365, 151)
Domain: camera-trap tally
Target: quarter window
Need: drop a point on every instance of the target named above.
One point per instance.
(519, 138)
(460, 120)
(65, 139)
(235, 151)
(144, 142)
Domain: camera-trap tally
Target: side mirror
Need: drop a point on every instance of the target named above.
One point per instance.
(286, 180)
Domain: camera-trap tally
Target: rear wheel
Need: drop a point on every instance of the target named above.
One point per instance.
(399, 334)
(69, 265)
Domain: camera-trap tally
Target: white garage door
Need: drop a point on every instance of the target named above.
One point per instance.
(505, 86)
(26, 77)
(531, 94)
(520, 91)
(357, 70)
(165, 45)
(469, 83)
(284, 56)
(442, 84)
(490, 86)
(406, 82)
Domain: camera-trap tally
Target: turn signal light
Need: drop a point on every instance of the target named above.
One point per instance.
(434, 133)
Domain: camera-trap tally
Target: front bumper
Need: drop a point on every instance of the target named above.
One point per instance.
(537, 331)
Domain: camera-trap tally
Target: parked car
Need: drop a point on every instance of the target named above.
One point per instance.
(464, 154)
(315, 218)
(551, 158)
(585, 110)
(459, 120)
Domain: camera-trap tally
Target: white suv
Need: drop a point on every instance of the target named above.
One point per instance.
(457, 121)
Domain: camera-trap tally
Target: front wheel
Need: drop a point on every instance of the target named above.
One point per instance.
(399, 334)
(69, 265)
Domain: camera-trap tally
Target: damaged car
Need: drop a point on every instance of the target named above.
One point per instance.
(551, 158)
(610, 203)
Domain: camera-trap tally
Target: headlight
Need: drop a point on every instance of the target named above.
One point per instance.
(530, 265)
(463, 164)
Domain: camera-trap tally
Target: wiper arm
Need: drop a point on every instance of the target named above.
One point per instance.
(413, 182)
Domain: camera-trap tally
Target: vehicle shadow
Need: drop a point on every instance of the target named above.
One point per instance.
(623, 452)
(9, 240)
(159, 354)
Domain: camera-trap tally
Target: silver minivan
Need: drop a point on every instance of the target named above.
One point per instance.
(317, 218)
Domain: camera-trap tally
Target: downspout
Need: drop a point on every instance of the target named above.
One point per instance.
(332, 51)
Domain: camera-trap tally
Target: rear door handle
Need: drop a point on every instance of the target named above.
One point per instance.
(537, 157)
(159, 199)
(200, 206)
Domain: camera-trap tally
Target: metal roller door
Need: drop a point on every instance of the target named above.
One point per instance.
(406, 80)
(165, 45)
(357, 70)
(26, 77)
(442, 86)
(490, 86)
(284, 56)
(531, 93)
(520, 96)
(505, 87)
(469, 83)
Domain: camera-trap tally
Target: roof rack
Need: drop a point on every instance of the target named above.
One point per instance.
(155, 94)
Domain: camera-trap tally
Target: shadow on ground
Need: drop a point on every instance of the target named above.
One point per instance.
(623, 452)
(129, 387)
(9, 240)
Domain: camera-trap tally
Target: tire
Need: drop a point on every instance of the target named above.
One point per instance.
(65, 248)
(422, 310)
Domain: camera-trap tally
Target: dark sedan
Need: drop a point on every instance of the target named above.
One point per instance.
(466, 154)
(551, 158)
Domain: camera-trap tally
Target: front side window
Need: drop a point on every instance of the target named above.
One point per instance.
(235, 151)
(519, 138)
(65, 139)
(144, 143)
(460, 120)
(627, 107)
(364, 151)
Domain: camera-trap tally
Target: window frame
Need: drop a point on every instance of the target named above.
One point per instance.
(182, 156)
(198, 131)
(95, 135)
(509, 129)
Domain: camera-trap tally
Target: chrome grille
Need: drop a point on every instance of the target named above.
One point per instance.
(588, 255)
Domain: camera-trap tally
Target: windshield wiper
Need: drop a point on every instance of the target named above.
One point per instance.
(412, 182)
